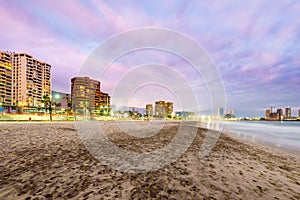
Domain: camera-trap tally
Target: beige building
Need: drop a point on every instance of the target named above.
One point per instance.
(104, 99)
(5, 80)
(86, 94)
(30, 80)
(288, 112)
(163, 109)
(169, 109)
(274, 116)
(160, 109)
(104, 103)
(149, 110)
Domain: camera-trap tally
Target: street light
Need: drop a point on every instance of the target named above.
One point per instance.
(56, 96)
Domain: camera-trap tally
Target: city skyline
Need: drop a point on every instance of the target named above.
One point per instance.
(255, 52)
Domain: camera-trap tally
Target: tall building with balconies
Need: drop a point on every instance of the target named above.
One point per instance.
(24, 80)
(31, 80)
(288, 112)
(169, 109)
(160, 109)
(104, 103)
(149, 110)
(5, 80)
(163, 109)
(280, 114)
(85, 93)
(268, 112)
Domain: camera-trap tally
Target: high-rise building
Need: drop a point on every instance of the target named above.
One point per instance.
(5, 80)
(280, 114)
(268, 112)
(104, 99)
(160, 109)
(87, 96)
(31, 80)
(85, 93)
(169, 109)
(149, 110)
(299, 113)
(24, 80)
(288, 112)
(104, 104)
(231, 112)
(220, 112)
(274, 116)
(163, 109)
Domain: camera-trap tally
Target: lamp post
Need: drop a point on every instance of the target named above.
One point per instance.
(56, 96)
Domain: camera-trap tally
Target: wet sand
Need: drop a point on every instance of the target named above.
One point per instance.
(49, 161)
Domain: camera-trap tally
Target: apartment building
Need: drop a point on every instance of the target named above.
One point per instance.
(25, 82)
(85, 93)
(31, 80)
(5, 80)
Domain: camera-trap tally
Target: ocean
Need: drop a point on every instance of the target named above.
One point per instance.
(284, 134)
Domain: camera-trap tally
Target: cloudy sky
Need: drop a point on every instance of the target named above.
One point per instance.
(254, 43)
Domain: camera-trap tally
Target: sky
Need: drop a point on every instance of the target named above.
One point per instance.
(253, 43)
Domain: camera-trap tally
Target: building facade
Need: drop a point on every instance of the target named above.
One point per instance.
(169, 109)
(105, 107)
(26, 80)
(220, 113)
(149, 110)
(288, 112)
(86, 95)
(160, 110)
(163, 109)
(5, 80)
(280, 114)
(31, 81)
(274, 116)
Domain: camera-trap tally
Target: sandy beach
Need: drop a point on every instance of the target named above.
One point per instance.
(49, 161)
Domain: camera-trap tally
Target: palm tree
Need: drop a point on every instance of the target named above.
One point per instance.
(47, 105)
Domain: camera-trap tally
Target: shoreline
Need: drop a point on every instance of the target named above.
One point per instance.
(268, 146)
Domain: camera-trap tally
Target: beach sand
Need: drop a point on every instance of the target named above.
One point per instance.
(49, 161)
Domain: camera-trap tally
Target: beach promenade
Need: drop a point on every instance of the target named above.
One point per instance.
(49, 161)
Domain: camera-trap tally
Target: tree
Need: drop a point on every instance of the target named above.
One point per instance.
(47, 105)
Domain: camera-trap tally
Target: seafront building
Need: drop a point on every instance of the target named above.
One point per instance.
(163, 109)
(160, 110)
(149, 110)
(278, 115)
(86, 95)
(105, 106)
(288, 112)
(220, 113)
(273, 116)
(30, 80)
(6, 80)
(230, 114)
(169, 109)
